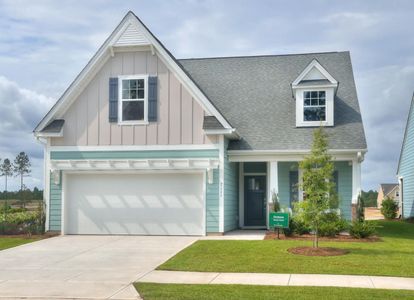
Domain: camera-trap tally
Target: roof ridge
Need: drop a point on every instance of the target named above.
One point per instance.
(261, 55)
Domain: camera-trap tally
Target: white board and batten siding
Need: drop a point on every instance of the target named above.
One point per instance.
(179, 120)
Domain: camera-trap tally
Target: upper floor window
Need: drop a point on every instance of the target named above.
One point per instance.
(133, 99)
(314, 91)
(314, 106)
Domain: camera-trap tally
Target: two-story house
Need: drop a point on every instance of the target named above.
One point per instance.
(144, 143)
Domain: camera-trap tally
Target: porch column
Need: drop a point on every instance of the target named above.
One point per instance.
(273, 180)
(356, 180)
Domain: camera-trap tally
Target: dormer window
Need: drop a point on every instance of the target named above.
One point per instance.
(314, 91)
(314, 106)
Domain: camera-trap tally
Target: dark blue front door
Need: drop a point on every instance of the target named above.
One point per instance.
(255, 200)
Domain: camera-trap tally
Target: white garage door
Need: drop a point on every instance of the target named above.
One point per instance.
(152, 204)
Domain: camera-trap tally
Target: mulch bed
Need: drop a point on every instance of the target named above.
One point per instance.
(321, 251)
(271, 235)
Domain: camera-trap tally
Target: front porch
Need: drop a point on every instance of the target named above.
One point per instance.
(259, 180)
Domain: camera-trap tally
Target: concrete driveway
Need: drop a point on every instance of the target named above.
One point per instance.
(91, 267)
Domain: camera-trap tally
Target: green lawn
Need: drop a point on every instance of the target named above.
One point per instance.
(394, 256)
(9, 242)
(155, 291)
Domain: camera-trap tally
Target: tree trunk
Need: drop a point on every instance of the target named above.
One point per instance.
(21, 190)
(315, 241)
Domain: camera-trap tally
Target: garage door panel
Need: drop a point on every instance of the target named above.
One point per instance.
(157, 204)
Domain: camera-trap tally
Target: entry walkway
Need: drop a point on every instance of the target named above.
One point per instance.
(351, 281)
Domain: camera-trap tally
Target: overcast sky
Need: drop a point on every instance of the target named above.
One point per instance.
(45, 44)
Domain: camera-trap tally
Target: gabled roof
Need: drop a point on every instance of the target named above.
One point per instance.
(410, 115)
(315, 73)
(53, 129)
(130, 32)
(254, 93)
(387, 188)
(211, 122)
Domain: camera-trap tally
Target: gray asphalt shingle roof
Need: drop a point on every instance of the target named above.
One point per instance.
(254, 94)
(211, 122)
(388, 187)
(54, 127)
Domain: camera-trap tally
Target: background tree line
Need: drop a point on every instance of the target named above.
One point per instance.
(19, 168)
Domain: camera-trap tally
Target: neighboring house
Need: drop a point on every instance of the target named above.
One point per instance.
(405, 170)
(390, 190)
(143, 143)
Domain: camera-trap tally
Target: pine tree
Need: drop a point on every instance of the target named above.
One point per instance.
(6, 170)
(21, 167)
(317, 185)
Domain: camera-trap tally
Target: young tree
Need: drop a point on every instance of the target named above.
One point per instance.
(317, 185)
(21, 167)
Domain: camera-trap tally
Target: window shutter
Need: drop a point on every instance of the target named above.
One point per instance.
(113, 100)
(152, 99)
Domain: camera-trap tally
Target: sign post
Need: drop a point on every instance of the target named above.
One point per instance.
(278, 220)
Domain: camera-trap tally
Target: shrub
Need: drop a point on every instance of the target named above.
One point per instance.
(362, 229)
(389, 208)
(298, 226)
(29, 222)
(332, 224)
(289, 231)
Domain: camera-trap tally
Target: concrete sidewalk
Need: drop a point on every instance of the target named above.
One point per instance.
(351, 281)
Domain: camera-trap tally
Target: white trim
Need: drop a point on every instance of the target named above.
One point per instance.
(221, 183)
(104, 53)
(63, 204)
(255, 174)
(300, 107)
(356, 180)
(318, 66)
(135, 164)
(268, 194)
(136, 48)
(49, 134)
(286, 157)
(241, 195)
(205, 204)
(228, 132)
(46, 188)
(121, 99)
(135, 148)
(300, 184)
(273, 179)
(292, 151)
(322, 86)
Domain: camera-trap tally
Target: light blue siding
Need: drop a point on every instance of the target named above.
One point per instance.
(55, 205)
(344, 185)
(67, 155)
(344, 188)
(406, 166)
(231, 193)
(284, 168)
(212, 203)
